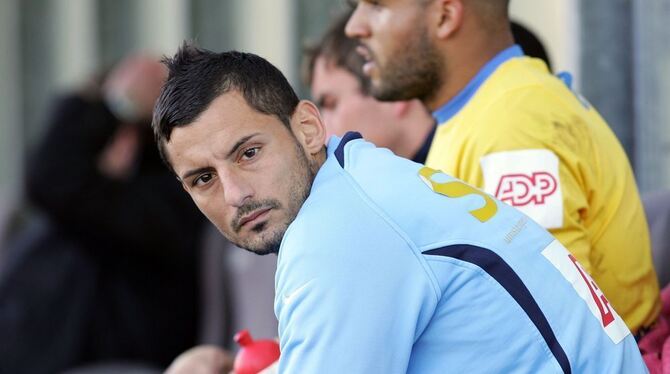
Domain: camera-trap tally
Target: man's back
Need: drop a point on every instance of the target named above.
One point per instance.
(525, 138)
(407, 280)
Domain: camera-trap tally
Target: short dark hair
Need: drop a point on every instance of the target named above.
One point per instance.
(336, 49)
(530, 43)
(197, 76)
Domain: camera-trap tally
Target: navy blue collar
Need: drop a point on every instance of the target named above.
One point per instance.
(457, 103)
(339, 151)
(422, 153)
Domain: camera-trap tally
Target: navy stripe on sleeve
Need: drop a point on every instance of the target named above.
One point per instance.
(339, 152)
(497, 268)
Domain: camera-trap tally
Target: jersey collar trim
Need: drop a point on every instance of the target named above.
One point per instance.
(421, 155)
(448, 110)
(339, 151)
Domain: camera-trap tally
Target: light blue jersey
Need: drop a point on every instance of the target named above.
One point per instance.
(392, 267)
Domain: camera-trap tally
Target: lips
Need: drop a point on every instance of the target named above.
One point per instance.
(253, 216)
(367, 56)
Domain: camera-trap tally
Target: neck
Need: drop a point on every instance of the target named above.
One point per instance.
(418, 125)
(318, 160)
(462, 62)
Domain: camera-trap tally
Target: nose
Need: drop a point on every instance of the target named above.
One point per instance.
(331, 124)
(356, 27)
(327, 116)
(236, 188)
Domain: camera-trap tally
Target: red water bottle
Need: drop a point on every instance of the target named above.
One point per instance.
(254, 357)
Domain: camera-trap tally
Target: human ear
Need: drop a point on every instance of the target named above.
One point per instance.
(308, 127)
(448, 17)
(400, 108)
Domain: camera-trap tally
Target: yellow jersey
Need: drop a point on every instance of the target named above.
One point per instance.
(522, 135)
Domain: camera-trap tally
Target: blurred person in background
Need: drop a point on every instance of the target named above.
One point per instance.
(109, 274)
(507, 125)
(5, 211)
(530, 43)
(334, 71)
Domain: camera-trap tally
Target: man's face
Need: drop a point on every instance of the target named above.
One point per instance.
(245, 171)
(345, 108)
(402, 62)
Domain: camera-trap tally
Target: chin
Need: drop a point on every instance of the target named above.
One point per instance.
(266, 251)
(264, 242)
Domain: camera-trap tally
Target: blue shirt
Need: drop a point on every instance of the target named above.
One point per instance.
(392, 267)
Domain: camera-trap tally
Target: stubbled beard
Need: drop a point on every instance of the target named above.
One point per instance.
(267, 239)
(412, 74)
(251, 207)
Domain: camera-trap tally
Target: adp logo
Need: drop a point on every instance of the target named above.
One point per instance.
(524, 189)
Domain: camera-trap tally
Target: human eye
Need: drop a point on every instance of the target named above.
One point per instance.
(354, 3)
(249, 153)
(202, 180)
(328, 103)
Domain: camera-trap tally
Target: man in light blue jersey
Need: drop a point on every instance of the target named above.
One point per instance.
(385, 265)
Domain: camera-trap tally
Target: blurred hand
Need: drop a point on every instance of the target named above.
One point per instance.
(132, 87)
(203, 359)
(118, 158)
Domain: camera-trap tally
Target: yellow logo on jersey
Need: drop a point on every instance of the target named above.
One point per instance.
(456, 189)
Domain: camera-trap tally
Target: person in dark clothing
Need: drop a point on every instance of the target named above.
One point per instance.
(118, 219)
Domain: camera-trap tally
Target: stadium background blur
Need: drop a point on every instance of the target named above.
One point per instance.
(616, 50)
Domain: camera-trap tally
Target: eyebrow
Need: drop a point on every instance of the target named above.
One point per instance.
(193, 172)
(234, 149)
(239, 144)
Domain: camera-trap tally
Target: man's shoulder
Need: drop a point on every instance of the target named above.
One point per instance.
(355, 199)
(336, 212)
(525, 85)
(525, 72)
(520, 107)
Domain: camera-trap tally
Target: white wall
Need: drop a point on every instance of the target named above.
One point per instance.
(11, 139)
(74, 34)
(267, 28)
(556, 22)
(161, 25)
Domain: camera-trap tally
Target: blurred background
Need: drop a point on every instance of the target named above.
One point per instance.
(617, 50)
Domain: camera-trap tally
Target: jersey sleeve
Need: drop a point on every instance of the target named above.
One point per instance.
(535, 160)
(349, 303)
